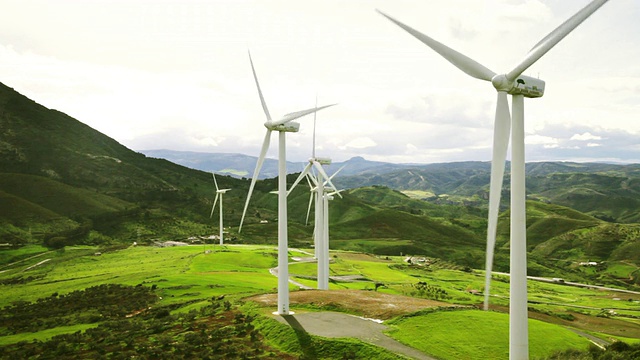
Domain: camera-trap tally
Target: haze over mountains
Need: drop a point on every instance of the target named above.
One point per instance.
(241, 165)
(63, 183)
(584, 186)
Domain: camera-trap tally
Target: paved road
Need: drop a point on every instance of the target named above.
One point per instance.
(337, 325)
(569, 283)
(596, 340)
(274, 272)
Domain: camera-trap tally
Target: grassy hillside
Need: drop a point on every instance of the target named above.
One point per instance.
(56, 166)
(611, 196)
(64, 183)
(560, 238)
(60, 198)
(609, 192)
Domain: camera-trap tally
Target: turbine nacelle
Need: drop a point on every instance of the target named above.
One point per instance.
(290, 126)
(528, 87)
(322, 161)
(331, 191)
(524, 85)
(326, 189)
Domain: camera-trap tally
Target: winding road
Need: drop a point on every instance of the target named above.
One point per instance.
(337, 325)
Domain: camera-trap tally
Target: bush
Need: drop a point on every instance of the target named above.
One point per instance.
(566, 316)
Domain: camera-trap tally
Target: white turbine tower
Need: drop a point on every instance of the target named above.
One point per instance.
(322, 190)
(323, 281)
(219, 194)
(282, 126)
(321, 226)
(518, 86)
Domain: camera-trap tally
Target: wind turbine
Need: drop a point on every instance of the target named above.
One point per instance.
(321, 225)
(519, 87)
(323, 281)
(219, 193)
(282, 126)
(323, 194)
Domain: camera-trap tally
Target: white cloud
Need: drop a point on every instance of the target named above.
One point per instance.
(411, 149)
(138, 71)
(585, 137)
(360, 143)
(540, 140)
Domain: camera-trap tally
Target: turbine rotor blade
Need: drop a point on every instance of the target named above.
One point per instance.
(337, 171)
(298, 114)
(215, 182)
(554, 38)
(501, 133)
(311, 179)
(335, 191)
(214, 205)
(459, 60)
(311, 186)
(324, 175)
(334, 174)
(263, 153)
(300, 177)
(309, 207)
(313, 146)
(264, 104)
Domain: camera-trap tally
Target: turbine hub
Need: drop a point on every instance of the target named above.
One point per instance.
(501, 83)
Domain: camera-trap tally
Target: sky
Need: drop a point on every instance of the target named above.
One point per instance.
(175, 74)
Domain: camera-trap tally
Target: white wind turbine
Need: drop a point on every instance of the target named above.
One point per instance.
(518, 86)
(282, 126)
(321, 226)
(323, 211)
(219, 194)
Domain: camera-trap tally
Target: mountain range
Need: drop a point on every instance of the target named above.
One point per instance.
(240, 165)
(64, 183)
(607, 191)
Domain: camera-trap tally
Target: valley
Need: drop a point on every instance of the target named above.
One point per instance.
(81, 217)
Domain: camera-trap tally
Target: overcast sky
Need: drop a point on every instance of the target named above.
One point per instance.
(176, 74)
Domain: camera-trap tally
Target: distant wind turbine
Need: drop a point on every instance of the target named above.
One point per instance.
(519, 87)
(282, 126)
(219, 193)
(324, 243)
(321, 226)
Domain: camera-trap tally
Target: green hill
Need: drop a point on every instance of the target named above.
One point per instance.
(607, 191)
(60, 198)
(63, 181)
(53, 162)
(611, 196)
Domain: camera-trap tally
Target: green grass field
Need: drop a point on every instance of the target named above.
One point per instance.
(44, 334)
(186, 278)
(475, 334)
